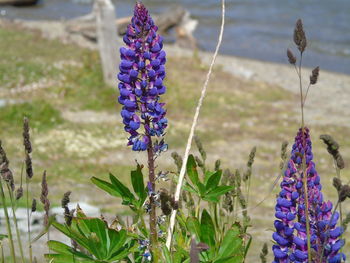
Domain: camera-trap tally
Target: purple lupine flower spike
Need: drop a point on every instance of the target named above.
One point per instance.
(141, 78)
(290, 235)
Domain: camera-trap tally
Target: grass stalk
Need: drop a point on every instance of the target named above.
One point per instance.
(28, 223)
(8, 226)
(19, 240)
(2, 253)
(306, 194)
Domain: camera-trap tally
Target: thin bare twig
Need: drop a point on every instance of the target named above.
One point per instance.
(194, 124)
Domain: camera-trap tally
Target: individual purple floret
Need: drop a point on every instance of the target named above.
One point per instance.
(290, 235)
(141, 78)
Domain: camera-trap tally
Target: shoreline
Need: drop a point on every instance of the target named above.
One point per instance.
(332, 85)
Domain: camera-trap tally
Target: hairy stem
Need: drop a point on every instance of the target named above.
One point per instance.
(8, 226)
(15, 222)
(153, 215)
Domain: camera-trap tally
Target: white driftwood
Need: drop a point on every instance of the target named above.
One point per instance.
(107, 39)
(190, 137)
(177, 17)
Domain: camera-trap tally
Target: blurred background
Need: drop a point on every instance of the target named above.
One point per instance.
(50, 71)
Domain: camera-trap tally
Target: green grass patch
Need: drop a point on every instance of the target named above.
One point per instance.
(41, 114)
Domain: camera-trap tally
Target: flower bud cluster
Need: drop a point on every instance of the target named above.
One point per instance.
(291, 235)
(141, 76)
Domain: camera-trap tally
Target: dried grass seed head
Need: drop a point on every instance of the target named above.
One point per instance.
(291, 58)
(29, 166)
(44, 189)
(19, 193)
(34, 205)
(344, 193)
(340, 161)
(314, 75)
(26, 136)
(65, 200)
(299, 36)
(337, 184)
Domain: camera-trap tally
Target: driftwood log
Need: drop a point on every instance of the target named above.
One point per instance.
(18, 2)
(107, 39)
(177, 18)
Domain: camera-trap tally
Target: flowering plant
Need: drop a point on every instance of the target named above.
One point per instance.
(306, 227)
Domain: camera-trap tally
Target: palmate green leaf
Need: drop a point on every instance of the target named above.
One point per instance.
(231, 249)
(116, 241)
(216, 192)
(191, 169)
(97, 238)
(193, 226)
(105, 186)
(167, 255)
(95, 231)
(66, 254)
(207, 229)
(122, 189)
(213, 181)
(138, 184)
(71, 233)
(115, 188)
(187, 187)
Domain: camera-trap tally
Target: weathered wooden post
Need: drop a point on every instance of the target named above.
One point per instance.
(107, 39)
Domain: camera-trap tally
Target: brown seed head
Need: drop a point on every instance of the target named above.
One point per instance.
(314, 75)
(19, 193)
(34, 205)
(44, 189)
(340, 161)
(217, 165)
(337, 183)
(299, 36)
(344, 193)
(7, 176)
(3, 157)
(332, 145)
(26, 136)
(291, 58)
(29, 166)
(65, 200)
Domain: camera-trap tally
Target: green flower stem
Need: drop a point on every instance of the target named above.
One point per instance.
(8, 226)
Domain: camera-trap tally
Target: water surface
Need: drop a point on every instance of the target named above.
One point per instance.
(258, 29)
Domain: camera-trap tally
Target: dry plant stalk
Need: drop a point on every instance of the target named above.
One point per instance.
(194, 124)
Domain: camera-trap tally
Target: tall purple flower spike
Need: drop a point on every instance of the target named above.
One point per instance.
(141, 78)
(290, 235)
